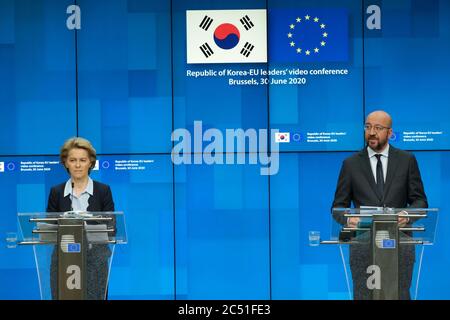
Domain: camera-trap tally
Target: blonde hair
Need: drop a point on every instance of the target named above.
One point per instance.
(77, 143)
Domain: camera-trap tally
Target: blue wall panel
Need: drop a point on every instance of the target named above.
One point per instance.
(222, 235)
(124, 76)
(37, 63)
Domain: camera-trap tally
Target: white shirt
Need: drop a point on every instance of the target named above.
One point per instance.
(79, 203)
(384, 161)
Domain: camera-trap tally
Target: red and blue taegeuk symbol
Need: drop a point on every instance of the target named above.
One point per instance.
(226, 36)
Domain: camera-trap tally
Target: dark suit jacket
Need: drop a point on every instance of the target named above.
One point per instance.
(98, 254)
(403, 188)
(101, 200)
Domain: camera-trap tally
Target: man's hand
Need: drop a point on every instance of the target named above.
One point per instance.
(352, 222)
(403, 219)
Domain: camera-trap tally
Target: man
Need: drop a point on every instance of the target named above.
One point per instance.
(382, 176)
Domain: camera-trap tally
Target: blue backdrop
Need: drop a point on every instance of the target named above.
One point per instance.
(199, 231)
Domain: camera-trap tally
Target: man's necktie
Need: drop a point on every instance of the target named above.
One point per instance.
(380, 176)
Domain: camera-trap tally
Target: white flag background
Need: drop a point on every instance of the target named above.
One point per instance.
(251, 46)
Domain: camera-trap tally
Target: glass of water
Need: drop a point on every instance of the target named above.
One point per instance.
(314, 238)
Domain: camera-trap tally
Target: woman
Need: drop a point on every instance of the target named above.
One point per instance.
(81, 193)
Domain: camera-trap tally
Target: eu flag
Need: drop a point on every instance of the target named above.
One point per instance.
(73, 247)
(388, 244)
(308, 35)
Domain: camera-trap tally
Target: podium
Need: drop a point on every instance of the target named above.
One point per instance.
(383, 246)
(73, 251)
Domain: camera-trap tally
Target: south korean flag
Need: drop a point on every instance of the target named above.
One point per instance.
(226, 36)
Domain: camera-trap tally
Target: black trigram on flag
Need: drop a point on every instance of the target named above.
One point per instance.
(206, 49)
(246, 22)
(206, 23)
(247, 49)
